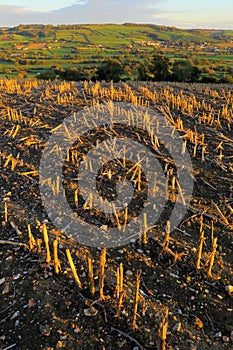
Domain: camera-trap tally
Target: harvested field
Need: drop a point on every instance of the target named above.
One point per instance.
(166, 290)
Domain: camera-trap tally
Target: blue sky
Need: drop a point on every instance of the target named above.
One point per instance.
(180, 13)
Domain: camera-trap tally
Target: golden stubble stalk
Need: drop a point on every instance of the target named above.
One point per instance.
(163, 330)
(102, 272)
(199, 250)
(145, 228)
(38, 245)
(119, 287)
(212, 257)
(46, 241)
(73, 269)
(91, 276)
(136, 299)
(173, 189)
(31, 239)
(226, 222)
(116, 216)
(57, 265)
(180, 192)
(5, 211)
(167, 236)
(126, 212)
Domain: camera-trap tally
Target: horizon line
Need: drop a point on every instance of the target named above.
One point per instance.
(114, 23)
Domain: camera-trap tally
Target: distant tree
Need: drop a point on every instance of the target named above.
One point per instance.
(131, 69)
(145, 72)
(195, 75)
(110, 69)
(184, 71)
(155, 68)
(160, 67)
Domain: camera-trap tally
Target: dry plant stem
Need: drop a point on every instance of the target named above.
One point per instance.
(166, 186)
(32, 242)
(180, 192)
(76, 197)
(212, 232)
(221, 214)
(116, 217)
(38, 244)
(118, 283)
(120, 302)
(57, 184)
(167, 236)
(184, 147)
(121, 282)
(13, 243)
(14, 162)
(212, 257)
(46, 241)
(203, 153)
(139, 178)
(163, 331)
(73, 269)
(173, 189)
(90, 201)
(5, 212)
(102, 272)
(125, 218)
(145, 228)
(19, 233)
(120, 290)
(10, 347)
(136, 299)
(91, 276)
(199, 250)
(57, 265)
(201, 224)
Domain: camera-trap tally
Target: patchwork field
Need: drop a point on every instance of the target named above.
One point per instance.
(33, 49)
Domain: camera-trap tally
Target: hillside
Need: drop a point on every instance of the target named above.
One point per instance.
(126, 33)
(34, 48)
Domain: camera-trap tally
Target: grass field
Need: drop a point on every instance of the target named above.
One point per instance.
(31, 48)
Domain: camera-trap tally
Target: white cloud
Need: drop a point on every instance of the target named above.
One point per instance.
(114, 11)
(90, 11)
(14, 15)
(105, 11)
(5, 9)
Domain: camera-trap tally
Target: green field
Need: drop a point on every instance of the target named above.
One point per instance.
(31, 49)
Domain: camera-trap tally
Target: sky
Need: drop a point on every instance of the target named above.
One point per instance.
(180, 13)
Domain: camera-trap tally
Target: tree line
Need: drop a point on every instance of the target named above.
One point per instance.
(156, 67)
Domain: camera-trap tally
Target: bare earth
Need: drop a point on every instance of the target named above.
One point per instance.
(40, 309)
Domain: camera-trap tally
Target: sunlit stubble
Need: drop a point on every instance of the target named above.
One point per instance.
(46, 241)
(73, 269)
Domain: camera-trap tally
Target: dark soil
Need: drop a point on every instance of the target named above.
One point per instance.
(40, 309)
